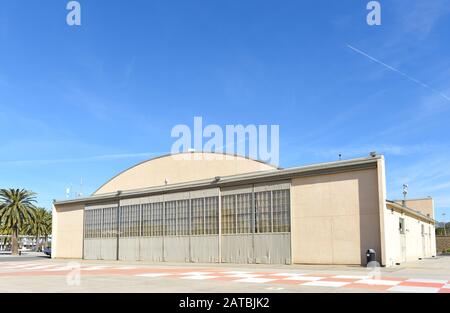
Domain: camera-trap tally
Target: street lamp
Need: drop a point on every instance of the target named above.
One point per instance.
(443, 220)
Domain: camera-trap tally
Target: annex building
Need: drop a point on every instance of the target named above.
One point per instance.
(208, 207)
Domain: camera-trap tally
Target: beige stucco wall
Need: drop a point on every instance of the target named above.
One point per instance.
(410, 246)
(67, 232)
(181, 168)
(426, 206)
(335, 218)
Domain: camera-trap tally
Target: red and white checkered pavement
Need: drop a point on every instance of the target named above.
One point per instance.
(369, 282)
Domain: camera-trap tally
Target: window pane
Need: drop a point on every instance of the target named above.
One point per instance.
(146, 219)
(228, 214)
(170, 218)
(157, 210)
(197, 213)
(109, 222)
(129, 220)
(263, 212)
(244, 213)
(281, 211)
(211, 215)
(183, 217)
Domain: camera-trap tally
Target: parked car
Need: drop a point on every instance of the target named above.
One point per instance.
(48, 251)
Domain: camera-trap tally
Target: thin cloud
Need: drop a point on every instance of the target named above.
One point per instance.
(391, 68)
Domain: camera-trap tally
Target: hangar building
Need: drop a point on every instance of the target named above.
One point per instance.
(208, 207)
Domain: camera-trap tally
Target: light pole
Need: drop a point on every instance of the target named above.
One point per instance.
(443, 220)
(405, 193)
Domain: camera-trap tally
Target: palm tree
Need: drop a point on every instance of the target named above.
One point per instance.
(17, 207)
(41, 226)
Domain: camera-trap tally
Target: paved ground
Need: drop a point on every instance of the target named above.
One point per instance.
(35, 273)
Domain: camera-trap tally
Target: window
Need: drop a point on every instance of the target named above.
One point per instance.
(401, 225)
(170, 218)
(244, 213)
(147, 219)
(197, 213)
(109, 228)
(281, 211)
(183, 218)
(129, 221)
(228, 214)
(211, 215)
(268, 212)
(157, 227)
(263, 211)
(93, 223)
(88, 224)
(423, 229)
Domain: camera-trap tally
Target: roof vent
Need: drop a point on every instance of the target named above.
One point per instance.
(373, 154)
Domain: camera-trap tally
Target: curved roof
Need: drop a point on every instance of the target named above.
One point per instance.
(180, 168)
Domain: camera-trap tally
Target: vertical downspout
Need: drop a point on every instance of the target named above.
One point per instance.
(381, 176)
(220, 227)
(254, 223)
(118, 225)
(291, 257)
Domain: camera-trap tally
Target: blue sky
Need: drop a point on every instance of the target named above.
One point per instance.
(90, 101)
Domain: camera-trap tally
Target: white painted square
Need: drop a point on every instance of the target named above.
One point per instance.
(58, 269)
(195, 273)
(236, 272)
(199, 277)
(254, 280)
(21, 266)
(288, 274)
(334, 284)
(432, 281)
(41, 267)
(153, 275)
(414, 289)
(126, 268)
(304, 278)
(378, 282)
(243, 275)
(94, 268)
(353, 276)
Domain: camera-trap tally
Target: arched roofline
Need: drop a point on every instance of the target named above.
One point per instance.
(180, 153)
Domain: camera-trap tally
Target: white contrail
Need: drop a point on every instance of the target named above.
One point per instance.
(399, 72)
(83, 159)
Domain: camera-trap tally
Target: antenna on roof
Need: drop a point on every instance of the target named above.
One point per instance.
(80, 193)
(340, 156)
(405, 193)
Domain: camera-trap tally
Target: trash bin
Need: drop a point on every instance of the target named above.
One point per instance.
(371, 256)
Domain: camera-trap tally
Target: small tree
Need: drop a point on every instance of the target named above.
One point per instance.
(41, 226)
(17, 207)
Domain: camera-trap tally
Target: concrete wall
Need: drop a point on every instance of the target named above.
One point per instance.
(181, 168)
(335, 218)
(442, 243)
(411, 245)
(67, 231)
